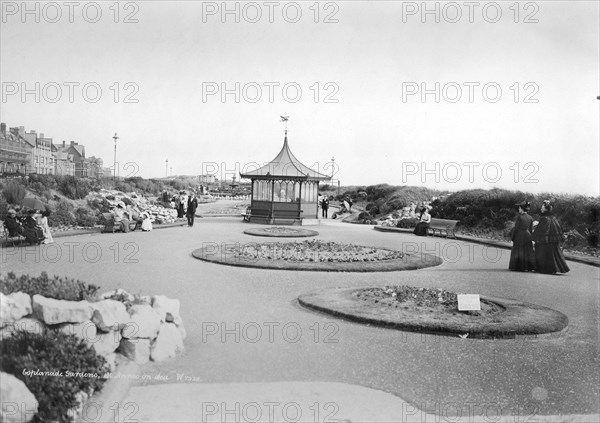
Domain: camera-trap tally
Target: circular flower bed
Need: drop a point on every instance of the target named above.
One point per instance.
(314, 255)
(281, 232)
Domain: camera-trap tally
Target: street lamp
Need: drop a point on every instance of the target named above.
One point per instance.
(115, 161)
(166, 168)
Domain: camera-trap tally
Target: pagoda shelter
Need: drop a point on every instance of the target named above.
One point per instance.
(284, 191)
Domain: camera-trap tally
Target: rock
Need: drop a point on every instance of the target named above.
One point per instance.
(106, 343)
(109, 315)
(13, 307)
(81, 397)
(53, 311)
(144, 322)
(168, 308)
(18, 403)
(168, 343)
(120, 293)
(26, 324)
(86, 331)
(137, 349)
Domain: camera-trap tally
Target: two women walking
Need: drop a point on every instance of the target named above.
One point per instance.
(547, 236)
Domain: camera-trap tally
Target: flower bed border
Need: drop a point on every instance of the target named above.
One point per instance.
(301, 233)
(408, 262)
(519, 318)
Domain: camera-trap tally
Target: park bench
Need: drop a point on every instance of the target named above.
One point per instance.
(110, 226)
(441, 226)
(280, 215)
(8, 238)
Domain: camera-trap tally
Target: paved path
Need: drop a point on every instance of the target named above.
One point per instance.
(244, 326)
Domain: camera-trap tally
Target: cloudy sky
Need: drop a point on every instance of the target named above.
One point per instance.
(449, 96)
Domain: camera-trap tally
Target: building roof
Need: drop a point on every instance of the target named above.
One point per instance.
(285, 165)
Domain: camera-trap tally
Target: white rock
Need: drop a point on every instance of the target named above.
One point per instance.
(85, 331)
(144, 322)
(137, 349)
(109, 315)
(13, 307)
(106, 343)
(168, 343)
(167, 306)
(18, 403)
(53, 311)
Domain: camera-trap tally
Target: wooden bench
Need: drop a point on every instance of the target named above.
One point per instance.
(441, 226)
(295, 215)
(112, 228)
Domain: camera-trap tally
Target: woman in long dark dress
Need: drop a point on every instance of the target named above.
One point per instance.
(32, 232)
(547, 237)
(424, 220)
(521, 255)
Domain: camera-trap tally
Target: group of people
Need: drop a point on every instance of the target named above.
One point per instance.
(547, 235)
(32, 225)
(186, 205)
(324, 200)
(125, 215)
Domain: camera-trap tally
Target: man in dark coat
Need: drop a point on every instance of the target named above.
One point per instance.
(192, 205)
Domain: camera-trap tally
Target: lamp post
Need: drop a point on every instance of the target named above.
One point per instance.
(166, 168)
(115, 137)
(171, 171)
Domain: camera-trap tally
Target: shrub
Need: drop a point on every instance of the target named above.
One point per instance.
(407, 223)
(63, 215)
(76, 188)
(53, 351)
(13, 193)
(57, 287)
(84, 218)
(3, 209)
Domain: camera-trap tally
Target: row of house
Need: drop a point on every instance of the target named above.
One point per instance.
(29, 152)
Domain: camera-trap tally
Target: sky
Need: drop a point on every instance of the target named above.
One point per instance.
(448, 95)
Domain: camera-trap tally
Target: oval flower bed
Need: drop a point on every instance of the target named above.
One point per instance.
(314, 255)
(434, 310)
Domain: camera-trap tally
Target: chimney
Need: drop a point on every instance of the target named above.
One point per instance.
(3, 128)
(63, 143)
(32, 131)
(21, 130)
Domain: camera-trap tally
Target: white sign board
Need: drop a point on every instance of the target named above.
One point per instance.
(468, 302)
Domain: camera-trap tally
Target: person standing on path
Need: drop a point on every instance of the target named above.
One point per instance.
(547, 236)
(324, 206)
(192, 205)
(521, 256)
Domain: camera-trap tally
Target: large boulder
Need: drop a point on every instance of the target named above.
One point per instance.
(13, 307)
(168, 308)
(137, 350)
(53, 311)
(85, 331)
(109, 315)
(168, 343)
(144, 322)
(18, 403)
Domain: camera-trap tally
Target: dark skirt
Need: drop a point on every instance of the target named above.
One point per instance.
(33, 235)
(549, 259)
(522, 257)
(421, 229)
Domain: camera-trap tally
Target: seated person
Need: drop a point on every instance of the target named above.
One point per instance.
(32, 232)
(122, 218)
(424, 220)
(12, 224)
(146, 223)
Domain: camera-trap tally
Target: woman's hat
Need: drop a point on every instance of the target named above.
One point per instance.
(12, 211)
